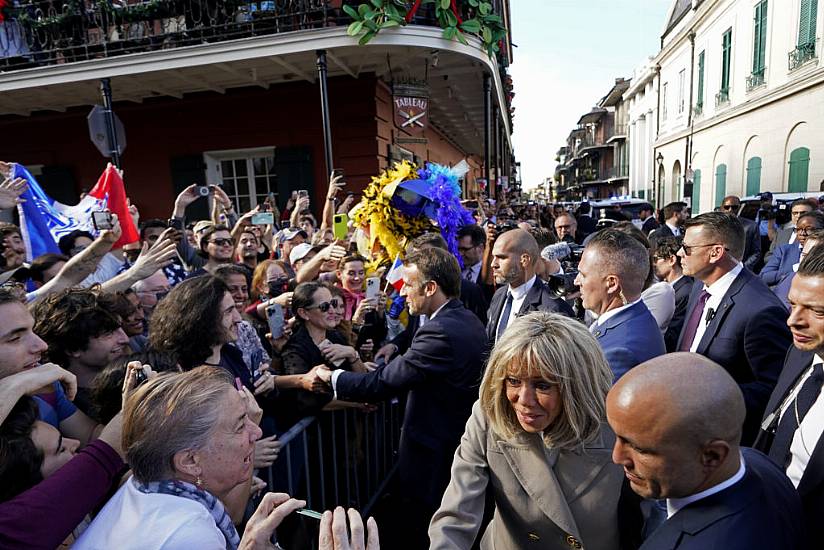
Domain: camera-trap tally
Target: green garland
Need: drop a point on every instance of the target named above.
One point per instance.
(371, 17)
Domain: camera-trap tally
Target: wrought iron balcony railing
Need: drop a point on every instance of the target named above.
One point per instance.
(801, 54)
(756, 79)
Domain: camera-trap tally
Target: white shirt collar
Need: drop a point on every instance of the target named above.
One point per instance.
(613, 312)
(675, 504)
(520, 292)
(674, 228)
(722, 285)
(678, 279)
(474, 269)
(438, 310)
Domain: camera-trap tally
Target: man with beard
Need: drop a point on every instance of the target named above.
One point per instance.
(515, 256)
(246, 251)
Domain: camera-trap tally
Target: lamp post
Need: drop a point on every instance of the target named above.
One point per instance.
(659, 189)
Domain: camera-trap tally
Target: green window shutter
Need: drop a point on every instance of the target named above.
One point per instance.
(696, 192)
(807, 22)
(720, 183)
(799, 170)
(700, 101)
(726, 47)
(759, 37)
(754, 176)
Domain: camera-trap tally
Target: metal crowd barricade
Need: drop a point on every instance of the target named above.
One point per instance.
(339, 458)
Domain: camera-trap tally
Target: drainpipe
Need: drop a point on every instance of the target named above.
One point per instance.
(114, 148)
(655, 185)
(324, 110)
(690, 121)
(487, 121)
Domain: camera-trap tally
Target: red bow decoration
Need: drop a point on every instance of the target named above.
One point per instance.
(411, 13)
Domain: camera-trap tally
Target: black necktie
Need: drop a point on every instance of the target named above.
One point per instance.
(504, 316)
(794, 414)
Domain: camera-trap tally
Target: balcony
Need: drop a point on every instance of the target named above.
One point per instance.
(619, 132)
(722, 98)
(756, 80)
(801, 55)
(618, 172)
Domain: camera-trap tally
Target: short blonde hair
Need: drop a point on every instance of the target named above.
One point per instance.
(561, 351)
(168, 414)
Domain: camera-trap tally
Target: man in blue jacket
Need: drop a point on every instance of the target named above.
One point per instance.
(611, 276)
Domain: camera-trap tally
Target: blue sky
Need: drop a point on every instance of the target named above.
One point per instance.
(568, 56)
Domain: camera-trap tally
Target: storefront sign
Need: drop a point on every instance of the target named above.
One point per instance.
(411, 104)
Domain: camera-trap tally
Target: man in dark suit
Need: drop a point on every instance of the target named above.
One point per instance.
(799, 449)
(611, 276)
(514, 258)
(667, 266)
(786, 234)
(441, 370)
(677, 421)
(675, 213)
(732, 317)
(752, 238)
(586, 223)
(647, 215)
(786, 257)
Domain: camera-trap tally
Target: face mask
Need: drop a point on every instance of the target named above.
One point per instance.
(278, 286)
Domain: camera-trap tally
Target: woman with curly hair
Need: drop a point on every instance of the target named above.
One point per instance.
(538, 444)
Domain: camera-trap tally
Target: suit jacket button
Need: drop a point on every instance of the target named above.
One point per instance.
(573, 542)
(533, 537)
(597, 333)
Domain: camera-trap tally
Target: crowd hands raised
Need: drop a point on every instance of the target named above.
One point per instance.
(602, 386)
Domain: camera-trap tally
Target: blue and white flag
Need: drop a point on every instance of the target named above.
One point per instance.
(43, 220)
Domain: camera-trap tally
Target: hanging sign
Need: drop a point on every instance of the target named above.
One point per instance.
(411, 104)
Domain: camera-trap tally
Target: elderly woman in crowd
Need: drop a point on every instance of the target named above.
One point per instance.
(189, 439)
(537, 443)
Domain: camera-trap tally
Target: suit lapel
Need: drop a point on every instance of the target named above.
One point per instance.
(723, 309)
(495, 312)
(794, 365)
(532, 302)
(533, 471)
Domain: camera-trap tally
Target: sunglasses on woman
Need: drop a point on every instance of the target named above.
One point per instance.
(324, 306)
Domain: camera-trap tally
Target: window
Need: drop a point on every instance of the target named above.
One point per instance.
(807, 21)
(681, 80)
(664, 102)
(720, 183)
(247, 176)
(754, 176)
(726, 53)
(759, 44)
(799, 170)
(696, 192)
(700, 101)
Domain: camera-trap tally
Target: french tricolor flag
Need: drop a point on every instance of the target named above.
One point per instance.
(395, 275)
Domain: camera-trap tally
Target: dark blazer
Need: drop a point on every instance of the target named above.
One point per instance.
(811, 487)
(586, 225)
(752, 245)
(782, 236)
(442, 371)
(663, 231)
(472, 296)
(682, 287)
(630, 338)
(762, 511)
(748, 337)
(781, 263)
(650, 224)
(539, 298)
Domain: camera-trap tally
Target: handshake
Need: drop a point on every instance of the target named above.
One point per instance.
(317, 380)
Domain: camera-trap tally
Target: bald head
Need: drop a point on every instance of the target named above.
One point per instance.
(689, 394)
(677, 421)
(518, 242)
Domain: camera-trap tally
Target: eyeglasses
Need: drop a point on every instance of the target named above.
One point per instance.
(221, 242)
(730, 206)
(688, 248)
(803, 231)
(324, 306)
(465, 248)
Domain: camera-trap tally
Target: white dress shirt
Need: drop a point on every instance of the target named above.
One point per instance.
(676, 231)
(601, 319)
(518, 296)
(675, 504)
(807, 435)
(717, 291)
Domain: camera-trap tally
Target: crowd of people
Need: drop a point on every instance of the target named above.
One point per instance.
(566, 381)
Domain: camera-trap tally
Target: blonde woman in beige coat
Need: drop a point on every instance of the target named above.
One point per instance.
(538, 442)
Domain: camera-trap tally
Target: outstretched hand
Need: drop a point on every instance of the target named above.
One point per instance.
(333, 535)
(10, 191)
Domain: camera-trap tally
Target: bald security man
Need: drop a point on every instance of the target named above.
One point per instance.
(515, 257)
(677, 420)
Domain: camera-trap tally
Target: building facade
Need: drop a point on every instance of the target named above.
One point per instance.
(641, 99)
(234, 94)
(741, 101)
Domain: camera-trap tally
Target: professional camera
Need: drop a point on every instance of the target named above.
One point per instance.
(564, 285)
